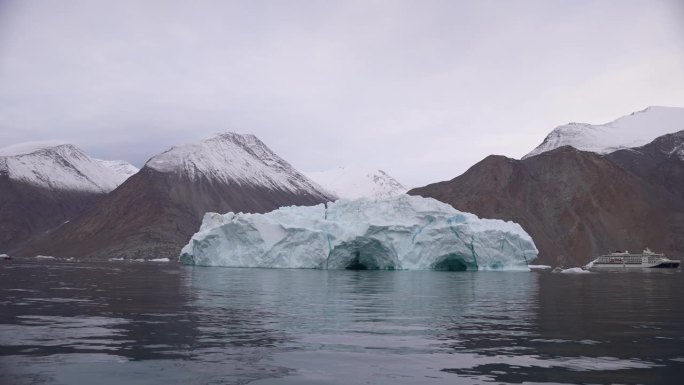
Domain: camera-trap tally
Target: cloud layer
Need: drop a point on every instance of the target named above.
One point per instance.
(420, 89)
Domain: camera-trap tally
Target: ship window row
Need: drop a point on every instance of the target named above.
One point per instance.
(625, 260)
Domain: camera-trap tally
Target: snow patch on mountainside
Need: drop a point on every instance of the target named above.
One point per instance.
(634, 130)
(58, 166)
(235, 158)
(678, 146)
(679, 151)
(358, 182)
(121, 167)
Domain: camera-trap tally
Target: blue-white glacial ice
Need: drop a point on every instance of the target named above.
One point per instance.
(401, 232)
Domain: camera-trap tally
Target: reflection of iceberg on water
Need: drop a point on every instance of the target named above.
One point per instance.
(401, 232)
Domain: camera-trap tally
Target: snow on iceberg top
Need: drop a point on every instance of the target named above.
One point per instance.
(634, 130)
(58, 166)
(232, 157)
(401, 232)
(357, 182)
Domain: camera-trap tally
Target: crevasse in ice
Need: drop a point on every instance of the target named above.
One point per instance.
(401, 232)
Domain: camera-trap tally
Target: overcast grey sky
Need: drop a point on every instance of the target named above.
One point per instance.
(422, 89)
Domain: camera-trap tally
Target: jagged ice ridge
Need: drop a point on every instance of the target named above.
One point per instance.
(401, 232)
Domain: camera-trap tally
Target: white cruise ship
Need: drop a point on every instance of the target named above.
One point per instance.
(627, 260)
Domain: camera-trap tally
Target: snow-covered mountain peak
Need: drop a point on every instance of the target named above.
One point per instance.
(358, 182)
(30, 147)
(633, 130)
(58, 166)
(235, 159)
(657, 109)
(252, 145)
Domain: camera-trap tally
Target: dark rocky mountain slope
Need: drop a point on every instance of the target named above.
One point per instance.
(27, 210)
(155, 212)
(574, 204)
(44, 184)
(660, 162)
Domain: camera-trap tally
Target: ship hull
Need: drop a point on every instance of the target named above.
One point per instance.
(661, 265)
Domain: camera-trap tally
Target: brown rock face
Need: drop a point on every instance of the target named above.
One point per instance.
(154, 214)
(660, 162)
(44, 185)
(574, 204)
(27, 210)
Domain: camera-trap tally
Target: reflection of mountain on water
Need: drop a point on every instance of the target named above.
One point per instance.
(129, 311)
(120, 323)
(64, 321)
(609, 319)
(590, 329)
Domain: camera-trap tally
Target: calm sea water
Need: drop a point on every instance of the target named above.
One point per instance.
(128, 323)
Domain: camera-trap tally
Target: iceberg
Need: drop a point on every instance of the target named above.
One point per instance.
(401, 232)
(539, 267)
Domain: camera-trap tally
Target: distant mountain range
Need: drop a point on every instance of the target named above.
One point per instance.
(585, 190)
(61, 166)
(44, 184)
(358, 182)
(578, 204)
(154, 213)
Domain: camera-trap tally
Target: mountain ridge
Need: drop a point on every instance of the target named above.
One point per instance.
(62, 167)
(154, 213)
(633, 130)
(44, 184)
(575, 204)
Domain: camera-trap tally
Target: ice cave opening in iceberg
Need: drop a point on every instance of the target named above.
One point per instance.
(397, 233)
